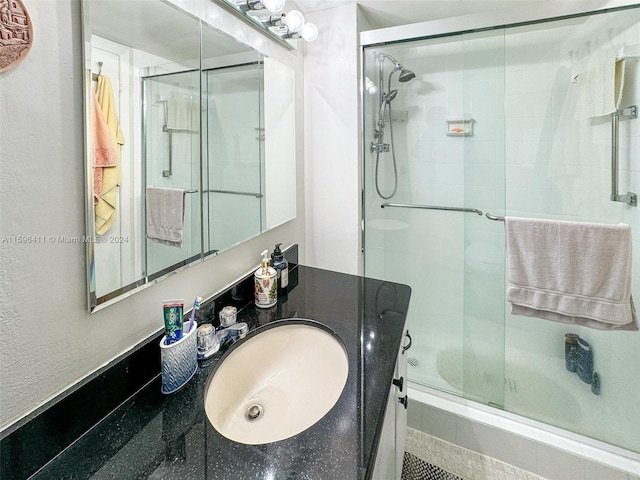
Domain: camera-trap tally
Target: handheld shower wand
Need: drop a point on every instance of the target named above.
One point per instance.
(385, 103)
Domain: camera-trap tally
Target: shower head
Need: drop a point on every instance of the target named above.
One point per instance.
(387, 97)
(386, 100)
(406, 75)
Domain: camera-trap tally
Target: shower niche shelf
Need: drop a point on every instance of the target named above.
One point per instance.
(461, 126)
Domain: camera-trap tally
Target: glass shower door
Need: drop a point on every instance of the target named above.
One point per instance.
(171, 150)
(233, 155)
(452, 259)
(483, 87)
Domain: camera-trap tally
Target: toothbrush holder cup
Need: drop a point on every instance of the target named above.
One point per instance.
(179, 360)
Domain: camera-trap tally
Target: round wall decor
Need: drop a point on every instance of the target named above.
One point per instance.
(16, 33)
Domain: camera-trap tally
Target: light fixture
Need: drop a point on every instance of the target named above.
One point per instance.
(271, 5)
(291, 25)
(294, 20)
(309, 32)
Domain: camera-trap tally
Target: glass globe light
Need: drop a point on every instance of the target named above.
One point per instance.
(294, 20)
(309, 32)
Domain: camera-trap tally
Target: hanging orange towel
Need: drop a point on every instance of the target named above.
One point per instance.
(104, 150)
(105, 208)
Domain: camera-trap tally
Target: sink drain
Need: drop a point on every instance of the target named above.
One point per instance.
(254, 412)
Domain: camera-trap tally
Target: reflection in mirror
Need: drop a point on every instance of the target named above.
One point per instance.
(280, 144)
(134, 68)
(181, 117)
(234, 161)
(171, 159)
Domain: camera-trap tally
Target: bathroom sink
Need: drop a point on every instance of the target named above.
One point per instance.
(276, 383)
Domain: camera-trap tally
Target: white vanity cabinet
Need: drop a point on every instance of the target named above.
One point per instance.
(390, 454)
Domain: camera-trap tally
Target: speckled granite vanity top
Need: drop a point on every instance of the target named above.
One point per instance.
(155, 436)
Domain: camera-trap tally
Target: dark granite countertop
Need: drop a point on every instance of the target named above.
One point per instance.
(156, 436)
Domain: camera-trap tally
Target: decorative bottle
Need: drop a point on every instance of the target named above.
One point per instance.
(266, 284)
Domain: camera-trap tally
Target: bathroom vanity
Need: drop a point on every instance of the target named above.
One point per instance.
(151, 435)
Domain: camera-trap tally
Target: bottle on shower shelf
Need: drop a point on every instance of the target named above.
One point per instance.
(584, 367)
(571, 351)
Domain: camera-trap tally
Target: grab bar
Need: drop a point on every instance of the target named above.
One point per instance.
(432, 207)
(234, 192)
(630, 198)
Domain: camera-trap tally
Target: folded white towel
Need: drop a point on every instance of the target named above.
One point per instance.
(600, 86)
(571, 272)
(165, 215)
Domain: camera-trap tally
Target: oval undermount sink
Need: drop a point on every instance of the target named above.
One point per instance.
(276, 383)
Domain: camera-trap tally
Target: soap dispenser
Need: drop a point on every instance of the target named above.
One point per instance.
(266, 284)
(282, 269)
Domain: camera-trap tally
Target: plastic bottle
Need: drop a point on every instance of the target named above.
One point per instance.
(282, 269)
(266, 284)
(571, 351)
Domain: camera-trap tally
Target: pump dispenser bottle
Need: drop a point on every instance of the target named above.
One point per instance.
(282, 269)
(266, 284)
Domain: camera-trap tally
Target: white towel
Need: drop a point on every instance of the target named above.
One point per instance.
(571, 272)
(600, 86)
(183, 113)
(165, 215)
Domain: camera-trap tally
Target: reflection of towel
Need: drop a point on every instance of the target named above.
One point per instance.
(165, 215)
(600, 86)
(571, 272)
(106, 206)
(104, 150)
(183, 113)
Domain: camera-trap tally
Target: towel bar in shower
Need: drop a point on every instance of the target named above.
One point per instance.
(630, 198)
(235, 192)
(432, 207)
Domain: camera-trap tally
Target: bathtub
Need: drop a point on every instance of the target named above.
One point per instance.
(565, 447)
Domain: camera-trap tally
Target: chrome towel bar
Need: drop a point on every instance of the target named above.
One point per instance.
(433, 207)
(630, 198)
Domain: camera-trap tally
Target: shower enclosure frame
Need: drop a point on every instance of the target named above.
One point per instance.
(520, 16)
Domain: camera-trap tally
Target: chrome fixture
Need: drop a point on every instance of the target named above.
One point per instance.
(273, 6)
(434, 207)
(291, 25)
(378, 146)
(630, 198)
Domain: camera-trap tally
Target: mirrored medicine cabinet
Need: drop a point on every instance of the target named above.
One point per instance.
(174, 104)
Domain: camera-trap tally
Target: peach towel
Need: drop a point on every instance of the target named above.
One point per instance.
(104, 150)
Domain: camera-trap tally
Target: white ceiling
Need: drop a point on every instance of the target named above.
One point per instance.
(392, 13)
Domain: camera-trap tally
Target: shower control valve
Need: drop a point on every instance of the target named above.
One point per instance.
(379, 147)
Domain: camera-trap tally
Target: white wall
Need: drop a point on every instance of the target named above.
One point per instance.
(332, 152)
(49, 340)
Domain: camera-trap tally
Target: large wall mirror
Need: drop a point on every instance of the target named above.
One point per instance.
(189, 143)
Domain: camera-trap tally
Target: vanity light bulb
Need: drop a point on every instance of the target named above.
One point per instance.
(309, 32)
(294, 20)
(273, 6)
